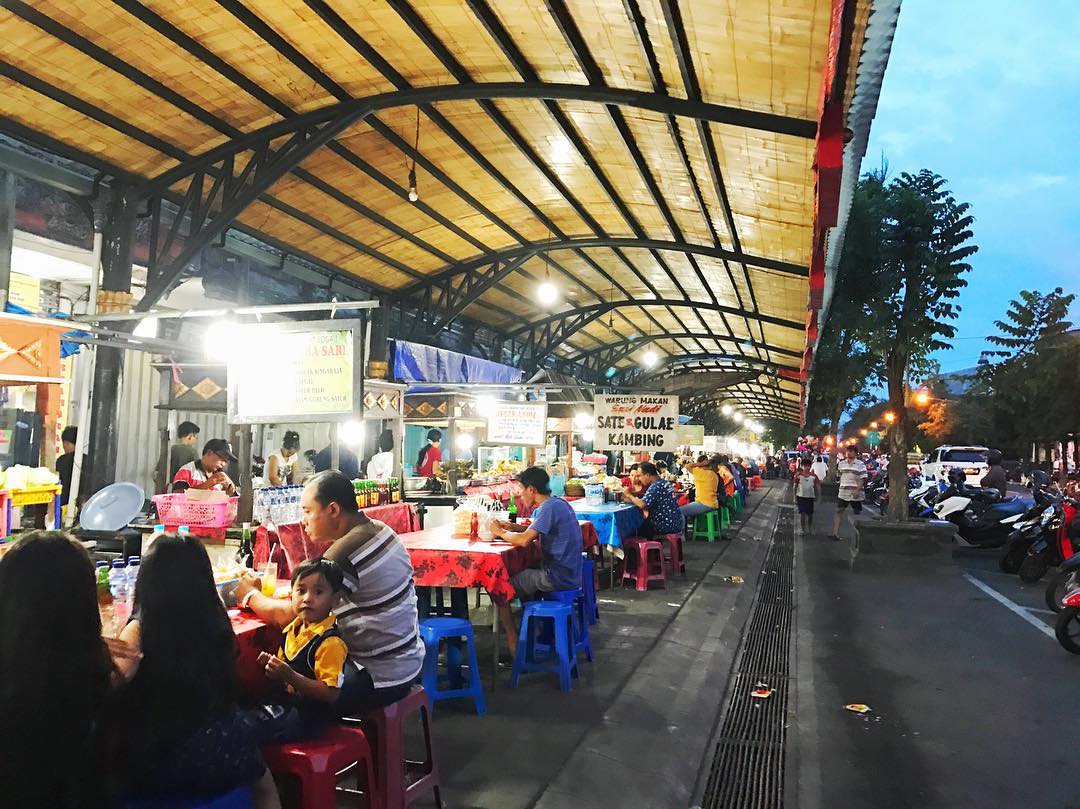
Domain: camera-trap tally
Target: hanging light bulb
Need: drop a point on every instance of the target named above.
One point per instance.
(413, 195)
(547, 293)
(738, 417)
(649, 358)
(726, 410)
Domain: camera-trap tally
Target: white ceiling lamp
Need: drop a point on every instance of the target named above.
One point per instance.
(582, 420)
(738, 417)
(649, 358)
(726, 410)
(547, 294)
(351, 433)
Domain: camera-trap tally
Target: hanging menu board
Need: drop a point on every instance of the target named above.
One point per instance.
(637, 422)
(517, 424)
(295, 373)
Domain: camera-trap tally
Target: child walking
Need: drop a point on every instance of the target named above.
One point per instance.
(310, 661)
(807, 487)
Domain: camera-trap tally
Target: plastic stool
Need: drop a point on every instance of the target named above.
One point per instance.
(581, 622)
(433, 631)
(648, 570)
(671, 552)
(526, 659)
(316, 763)
(395, 774)
(736, 502)
(708, 525)
(588, 590)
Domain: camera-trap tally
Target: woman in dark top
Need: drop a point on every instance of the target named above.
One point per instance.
(54, 676)
(182, 735)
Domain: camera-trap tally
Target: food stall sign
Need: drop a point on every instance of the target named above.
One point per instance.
(636, 422)
(296, 372)
(517, 424)
(691, 435)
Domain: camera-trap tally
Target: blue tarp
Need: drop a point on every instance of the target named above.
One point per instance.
(67, 347)
(419, 363)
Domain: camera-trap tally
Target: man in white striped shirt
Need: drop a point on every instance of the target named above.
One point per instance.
(377, 611)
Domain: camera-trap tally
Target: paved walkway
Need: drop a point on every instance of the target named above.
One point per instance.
(635, 729)
(973, 704)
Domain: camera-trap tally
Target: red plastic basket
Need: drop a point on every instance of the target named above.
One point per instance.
(176, 509)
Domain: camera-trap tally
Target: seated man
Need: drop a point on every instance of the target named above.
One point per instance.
(556, 524)
(706, 486)
(376, 611)
(208, 472)
(662, 515)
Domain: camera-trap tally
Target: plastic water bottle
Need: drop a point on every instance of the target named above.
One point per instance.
(132, 573)
(121, 591)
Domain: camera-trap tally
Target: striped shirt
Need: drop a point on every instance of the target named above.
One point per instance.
(377, 612)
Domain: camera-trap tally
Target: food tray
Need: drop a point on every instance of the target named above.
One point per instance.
(176, 509)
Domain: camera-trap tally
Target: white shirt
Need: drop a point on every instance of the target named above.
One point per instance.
(286, 467)
(381, 465)
(852, 475)
(821, 469)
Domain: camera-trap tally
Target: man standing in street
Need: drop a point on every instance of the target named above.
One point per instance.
(852, 475)
(377, 610)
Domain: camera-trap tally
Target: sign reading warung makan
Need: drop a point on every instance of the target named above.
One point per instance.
(637, 422)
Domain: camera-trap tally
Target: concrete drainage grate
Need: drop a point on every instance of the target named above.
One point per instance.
(748, 766)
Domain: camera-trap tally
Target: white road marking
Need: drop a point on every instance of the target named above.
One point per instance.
(1011, 605)
(1040, 611)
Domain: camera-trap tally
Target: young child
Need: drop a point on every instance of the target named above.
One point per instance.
(310, 662)
(807, 487)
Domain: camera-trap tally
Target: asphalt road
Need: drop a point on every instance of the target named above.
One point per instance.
(973, 701)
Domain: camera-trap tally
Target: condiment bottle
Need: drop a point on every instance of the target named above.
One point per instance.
(474, 527)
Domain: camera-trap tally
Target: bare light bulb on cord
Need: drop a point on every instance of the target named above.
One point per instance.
(547, 293)
(738, 417)
(413, 195)
(726, 410)
(649, 358)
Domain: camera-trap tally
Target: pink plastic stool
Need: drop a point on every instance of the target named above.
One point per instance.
(401, 782)
(673, 553)
(650, 566)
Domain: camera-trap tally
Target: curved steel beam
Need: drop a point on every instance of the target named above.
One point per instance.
(634, 343)
(629, 242)
(604, 308)
(357, 109)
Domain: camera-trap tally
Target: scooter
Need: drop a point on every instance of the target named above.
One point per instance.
(1054, 545)
(1067, 576)
(1031, 525)
(977, 513)
(1067, 627)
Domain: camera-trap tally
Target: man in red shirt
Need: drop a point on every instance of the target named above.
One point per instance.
(208, 472)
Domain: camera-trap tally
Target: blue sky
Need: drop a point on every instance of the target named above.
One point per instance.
(987, 94)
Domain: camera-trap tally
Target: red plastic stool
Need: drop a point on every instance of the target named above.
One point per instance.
(399, 782)
(673, 553)
(316, 763)
(650, 564)
(755, 482)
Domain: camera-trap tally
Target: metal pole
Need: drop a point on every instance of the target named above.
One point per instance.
(7, 231)
(86, 374)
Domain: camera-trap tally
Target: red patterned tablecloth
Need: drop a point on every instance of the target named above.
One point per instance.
(253, 636)
(498, 491)
(400, 517)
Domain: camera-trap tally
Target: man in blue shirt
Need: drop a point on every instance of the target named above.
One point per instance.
(556, 524)
(662, 514)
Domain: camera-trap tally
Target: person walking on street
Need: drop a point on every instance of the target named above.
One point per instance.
(820, 468)
(807, 488)
(852, 475)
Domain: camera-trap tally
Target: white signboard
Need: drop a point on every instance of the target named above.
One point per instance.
(517, 424)
(637, 422)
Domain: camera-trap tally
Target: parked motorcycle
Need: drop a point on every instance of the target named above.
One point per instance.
(1029, 528)
(1067, 627)
(1066, 578)
(978, 514)
(1054, 545)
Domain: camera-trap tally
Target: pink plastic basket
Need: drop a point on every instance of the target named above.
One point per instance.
(176, 509)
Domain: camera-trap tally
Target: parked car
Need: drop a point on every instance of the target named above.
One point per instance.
(972, 460)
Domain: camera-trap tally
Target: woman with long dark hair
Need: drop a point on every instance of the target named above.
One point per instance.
(182, 735)
(429, 460)
(54, 676)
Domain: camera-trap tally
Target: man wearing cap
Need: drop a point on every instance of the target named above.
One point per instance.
(555, 522)
(207, 472)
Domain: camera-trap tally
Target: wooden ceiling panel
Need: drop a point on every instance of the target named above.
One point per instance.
(539, 38)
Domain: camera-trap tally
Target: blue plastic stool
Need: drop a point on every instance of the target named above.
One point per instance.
(435, 630)
(581, 621)
(588, 590)
(564, 661)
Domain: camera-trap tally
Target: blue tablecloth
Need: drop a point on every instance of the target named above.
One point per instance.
(614, 521)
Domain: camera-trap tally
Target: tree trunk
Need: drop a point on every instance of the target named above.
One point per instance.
(896, 372)
(834, 425)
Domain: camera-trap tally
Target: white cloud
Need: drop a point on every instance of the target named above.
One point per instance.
(1018, 186)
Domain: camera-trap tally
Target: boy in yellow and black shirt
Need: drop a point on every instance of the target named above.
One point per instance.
(310, 661)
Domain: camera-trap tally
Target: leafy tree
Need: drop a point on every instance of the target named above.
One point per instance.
(922, 255)
(1023, 377)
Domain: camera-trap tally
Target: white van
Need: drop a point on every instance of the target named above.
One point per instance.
(971, 459)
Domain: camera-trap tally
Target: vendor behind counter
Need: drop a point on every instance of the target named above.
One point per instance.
(208, 471)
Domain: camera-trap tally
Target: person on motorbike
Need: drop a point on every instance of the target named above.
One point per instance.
(995, 474)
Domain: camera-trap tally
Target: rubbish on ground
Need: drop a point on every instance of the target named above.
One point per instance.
(733, 579)
(857, 707)
(762, 691)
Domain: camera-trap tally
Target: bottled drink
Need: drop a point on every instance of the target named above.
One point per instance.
(101, 573)
(474, 527)
(395, 491)
(121, 592)
(245, 554)
(512, 511)
(131, 573)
